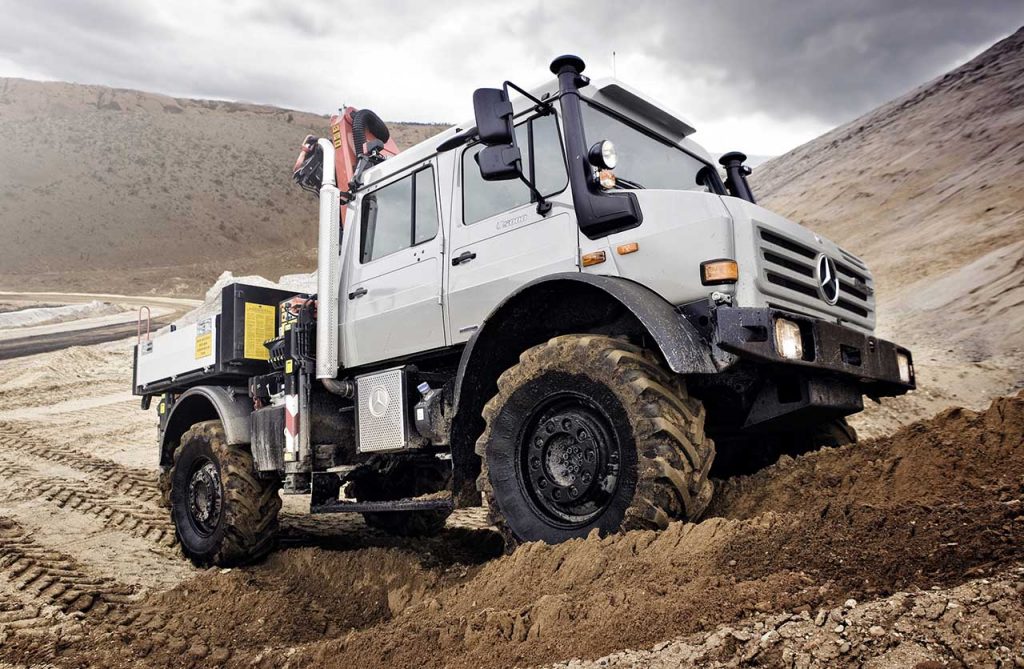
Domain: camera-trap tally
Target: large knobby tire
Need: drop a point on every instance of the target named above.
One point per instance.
(389, 479)
(223, 513)
(590, 432)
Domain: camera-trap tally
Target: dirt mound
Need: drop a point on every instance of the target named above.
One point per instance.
(937, 501)
(958, 456)
(978, 624)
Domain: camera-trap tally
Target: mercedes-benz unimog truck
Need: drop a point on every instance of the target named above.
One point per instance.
(558, 312)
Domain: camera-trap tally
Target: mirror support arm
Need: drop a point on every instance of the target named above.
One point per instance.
(541, 105)
(543, 206)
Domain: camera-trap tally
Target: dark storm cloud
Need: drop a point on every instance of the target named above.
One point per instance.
(828, 60)
(793, 68)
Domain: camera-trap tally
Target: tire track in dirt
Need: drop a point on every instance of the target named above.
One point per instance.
(137, 483)
(153, 526)
(134, 509)
(51, 578)
(48, 600)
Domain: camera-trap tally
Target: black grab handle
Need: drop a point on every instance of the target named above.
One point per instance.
(463, 258)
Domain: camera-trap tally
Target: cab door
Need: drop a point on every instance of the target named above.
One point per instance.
(501, 242)
(391, 294)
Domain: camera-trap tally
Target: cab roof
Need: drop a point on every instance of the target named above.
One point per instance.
(610, 92)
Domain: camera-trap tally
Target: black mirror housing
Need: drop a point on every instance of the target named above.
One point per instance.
(499, 163)
(493, 113)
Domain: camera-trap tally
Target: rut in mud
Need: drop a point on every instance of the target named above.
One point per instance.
(936, 503)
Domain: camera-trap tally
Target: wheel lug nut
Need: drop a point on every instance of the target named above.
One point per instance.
(534, 463)
(586, 477)
(556, 493)
(573, 491)
(542, 483)
(566, 424)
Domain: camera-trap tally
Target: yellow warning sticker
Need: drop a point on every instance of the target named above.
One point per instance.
(204, 339)
(259, 327)
(204, 345)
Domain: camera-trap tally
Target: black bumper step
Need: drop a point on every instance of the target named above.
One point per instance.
(410, 504)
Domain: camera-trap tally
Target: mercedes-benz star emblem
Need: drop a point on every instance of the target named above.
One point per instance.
(827, 277)
(379, 401)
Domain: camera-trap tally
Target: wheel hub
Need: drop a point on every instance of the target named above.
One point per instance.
(205, 498)
(571, 460)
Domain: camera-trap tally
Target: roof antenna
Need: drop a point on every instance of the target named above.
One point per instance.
(614, 75)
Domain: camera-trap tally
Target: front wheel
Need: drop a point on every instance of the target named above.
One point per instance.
(590, 432)
(223, 513)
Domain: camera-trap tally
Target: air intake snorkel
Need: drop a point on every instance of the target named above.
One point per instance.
(598, 213)
(736, 176)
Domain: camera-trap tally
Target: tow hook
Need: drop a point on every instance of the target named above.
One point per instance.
(721, 298)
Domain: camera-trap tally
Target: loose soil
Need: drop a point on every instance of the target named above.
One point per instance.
(89, 575)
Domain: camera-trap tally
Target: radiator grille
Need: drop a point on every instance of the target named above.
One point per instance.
(787, 267)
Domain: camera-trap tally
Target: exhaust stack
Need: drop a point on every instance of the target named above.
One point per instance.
(328, 267)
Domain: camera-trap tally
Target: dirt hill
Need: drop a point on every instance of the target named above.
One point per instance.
(928, 189)
(106, 189)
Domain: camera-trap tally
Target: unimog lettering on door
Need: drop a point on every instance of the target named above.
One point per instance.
(564, 310)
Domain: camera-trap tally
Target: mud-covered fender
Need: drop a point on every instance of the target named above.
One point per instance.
(558, 304)
(231, 405)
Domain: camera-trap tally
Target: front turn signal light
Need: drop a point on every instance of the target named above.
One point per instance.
(593, 258)
(788, 342)
(606, 179)
(717, 272)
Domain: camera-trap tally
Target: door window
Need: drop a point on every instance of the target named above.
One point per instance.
(398, 216)
(540, 143)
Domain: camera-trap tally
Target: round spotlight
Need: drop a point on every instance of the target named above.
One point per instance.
(602, 155)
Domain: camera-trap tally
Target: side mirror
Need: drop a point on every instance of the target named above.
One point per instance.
(500, 159)
(493, 113)
(499, 163)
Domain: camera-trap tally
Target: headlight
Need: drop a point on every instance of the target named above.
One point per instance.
(906, 372)
(788, 342)
(602, 155)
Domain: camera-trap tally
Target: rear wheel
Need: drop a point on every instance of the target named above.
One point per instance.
(223, 513)
(590, 432)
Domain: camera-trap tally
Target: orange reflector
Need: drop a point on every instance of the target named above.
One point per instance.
(593, 258)
(714, 272)
(631, 247)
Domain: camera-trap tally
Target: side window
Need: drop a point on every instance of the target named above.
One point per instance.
(543, 159)
(424, 219)
(398, 216)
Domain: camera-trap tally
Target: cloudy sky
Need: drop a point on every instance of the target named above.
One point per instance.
(762, 76)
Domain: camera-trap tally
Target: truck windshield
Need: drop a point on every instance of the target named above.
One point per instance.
(644, 161)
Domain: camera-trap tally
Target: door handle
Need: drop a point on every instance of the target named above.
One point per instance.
(463, 258)
(358, 292)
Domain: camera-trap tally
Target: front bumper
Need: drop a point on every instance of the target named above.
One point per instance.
(828, 348)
